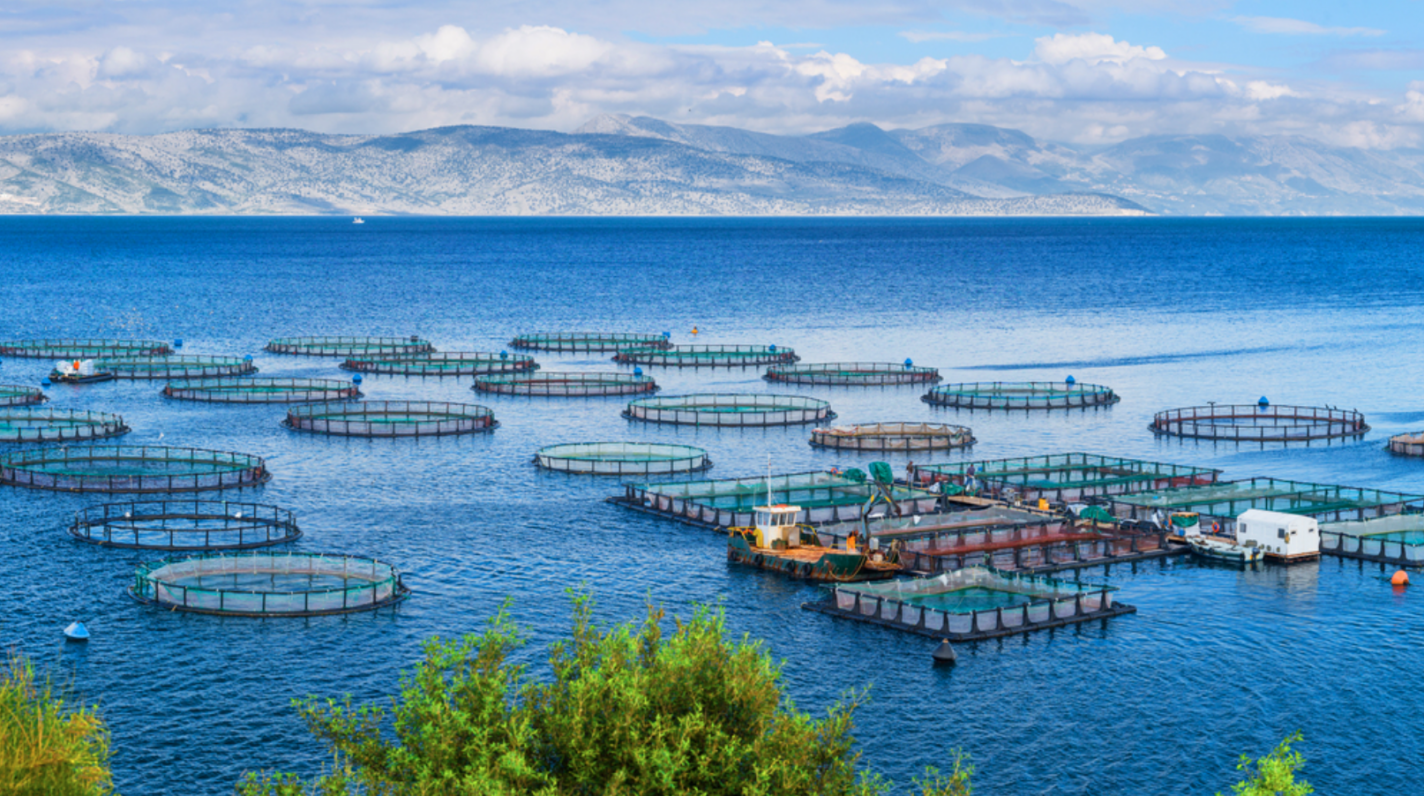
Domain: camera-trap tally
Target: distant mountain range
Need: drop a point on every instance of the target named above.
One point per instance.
(619, 165)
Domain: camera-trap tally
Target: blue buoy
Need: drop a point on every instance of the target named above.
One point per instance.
(773, 349)
(46, 383)
(76, 632)
(1263, 403)
(504, 355)
(178, 343)
(1071, 380)
(667, 335)
(637, 371)
(909, 363)
(356, 379)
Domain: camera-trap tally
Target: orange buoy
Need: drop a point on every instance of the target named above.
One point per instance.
(1400, 578)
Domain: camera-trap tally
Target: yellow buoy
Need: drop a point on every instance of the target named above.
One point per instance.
(694, 330)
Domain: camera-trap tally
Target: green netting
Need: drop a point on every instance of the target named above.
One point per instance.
(1076, 473)
(822, 497)
(730, 409)
(185, 525)
(391, 418)
(571, 385)
(851, 373)
(1259, 423)
(444, 363)
(882, 472)
(269, 584)
(130, 468)
(893, 437)
(855, 474)
(82, 348)
(586, 341)
(17, 395)
(1020, 395)
(706, 355)
(1096, 514)
(175, 367)
(622, 458)
(262, 391)
(58, 425)
(1272, 494)
(348, 346)
(1185, 521)
(969, 590)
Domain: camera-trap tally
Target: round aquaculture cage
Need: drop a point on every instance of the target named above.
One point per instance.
(883, 437)
(573, 385)
(706, 356)
(451, 363)
(269, 584)
(1411, 444)
(130, 468)
(348, 346)
(1021, 395)
(622, 458)
(262, 391)
(175, 367)
(1259, 423)
(851, 374)
(185, 525)
(586, 341)
(58, 425)
(391, 419)
(83, 348)
(717, 409)
(17, 395)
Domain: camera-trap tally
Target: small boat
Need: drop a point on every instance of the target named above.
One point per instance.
(78, 372)
(1220, 549)
(779, 544)
(76, 632)
(358, 220)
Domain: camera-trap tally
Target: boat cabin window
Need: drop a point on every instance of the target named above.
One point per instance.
(1280, 533)
(763, 518)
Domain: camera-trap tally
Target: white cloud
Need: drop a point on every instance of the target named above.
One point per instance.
(1094, 48)
(921, 36)
(1299, 27)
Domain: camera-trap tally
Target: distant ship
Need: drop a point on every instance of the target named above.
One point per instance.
(358, 220)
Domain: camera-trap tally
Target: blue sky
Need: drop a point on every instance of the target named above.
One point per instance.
(1077, 71)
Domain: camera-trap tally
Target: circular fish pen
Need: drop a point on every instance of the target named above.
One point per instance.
(83, 348)
(1259, 423)
(262, 391)
(1411, 444)
(58, 425)
(586, 341)
(185, 525)
(706, 356)
(176, 367)
(622, 458)
(567, 385)
(1021, 395)
(348, 346)
(269, 584)
(18, 395)
(131, 469)
(890, 437)
(445, 363)
(851, 374)
(390, 419)
(726, 409)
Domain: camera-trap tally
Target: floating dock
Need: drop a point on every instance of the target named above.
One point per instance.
(1069, 477)
(1223, 502)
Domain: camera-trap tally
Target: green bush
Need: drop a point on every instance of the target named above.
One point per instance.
(1274, 774)
(47, 749)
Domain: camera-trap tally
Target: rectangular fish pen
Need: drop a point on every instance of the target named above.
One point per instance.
(726, 503)
(972, 604)
(1397, 540)
(1224, 501)
(1072, 477)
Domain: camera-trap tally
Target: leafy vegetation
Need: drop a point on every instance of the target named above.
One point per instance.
(46, 747)
(1274, 774)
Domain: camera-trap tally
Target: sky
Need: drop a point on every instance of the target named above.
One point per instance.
(1086, 72)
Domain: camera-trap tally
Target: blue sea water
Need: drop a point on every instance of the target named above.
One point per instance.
(1168, 312)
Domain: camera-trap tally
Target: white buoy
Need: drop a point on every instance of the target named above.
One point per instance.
(76, 632)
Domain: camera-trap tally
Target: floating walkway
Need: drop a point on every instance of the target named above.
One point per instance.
(1067, 477)
(131, 469)
(18, 395)
(269, 584)
(262, 391)
(851, 374)
(83, 348)
(893, 437)
(622, 458)
(348, 346)
(1259, 423)
(587, 341)
(548, 384)
(1396, 540)
(185, 525)
(972, 604)
(706, 356)
(729, 503)
(443, 363)
(730, 410)
(391, 419)
(58, 425)
(175, 367)
(1223, 502)
(1027, 395)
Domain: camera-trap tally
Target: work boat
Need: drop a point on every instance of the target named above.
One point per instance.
(78, 372)
(778, 543)
(1219, 549)
(358, 220)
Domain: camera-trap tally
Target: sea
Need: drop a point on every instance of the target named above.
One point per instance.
(1216, 662)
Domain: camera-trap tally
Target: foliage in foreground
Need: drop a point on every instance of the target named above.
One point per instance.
(1274, 774)
(47, 748)
(628, 711)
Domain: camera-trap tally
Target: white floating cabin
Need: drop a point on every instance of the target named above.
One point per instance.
(1281, 536)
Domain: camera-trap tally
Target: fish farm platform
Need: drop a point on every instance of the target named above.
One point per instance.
(706, 356)
(1224, 501)
(893, 437)
(729, 410)
(1397, 540)
(19, 395)
(587, 341)
(443, 363)
(1259, 423)
(1071, 477)
(348, 346)
(1411, 444)
(851, 374)
(261, 390)
(82, 348)
(1021, 395)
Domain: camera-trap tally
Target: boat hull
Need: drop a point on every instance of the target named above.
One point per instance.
(809, 563)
